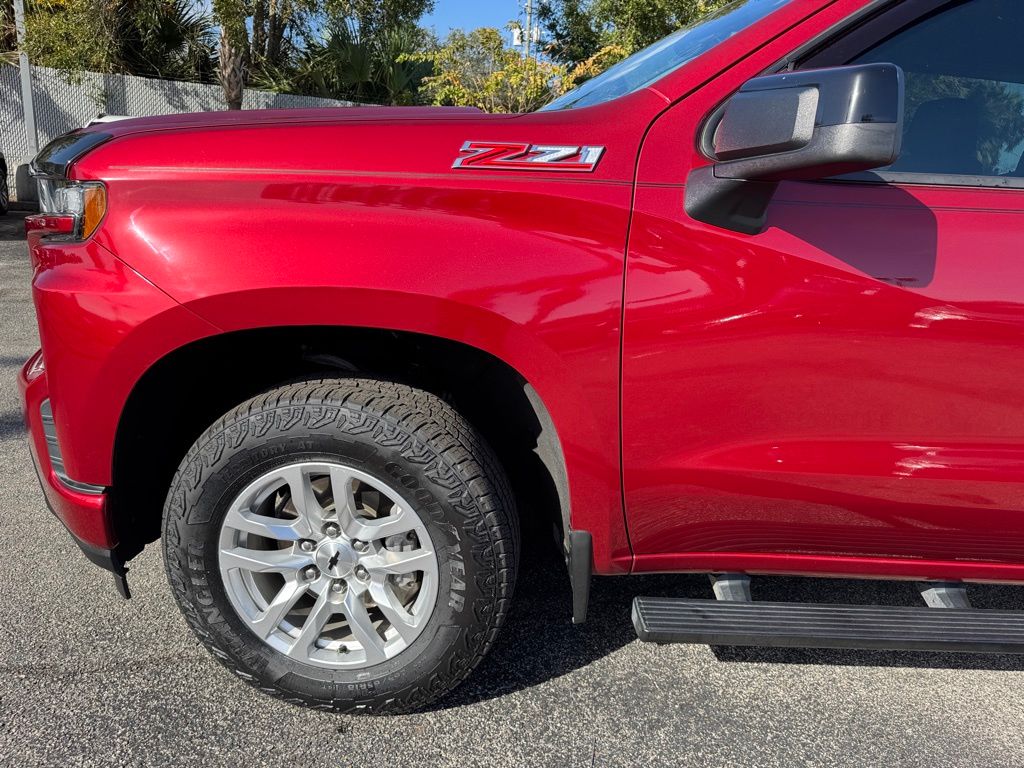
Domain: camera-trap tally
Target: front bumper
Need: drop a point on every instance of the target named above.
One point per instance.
(80, 507)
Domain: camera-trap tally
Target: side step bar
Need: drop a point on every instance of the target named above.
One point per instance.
(819, 625)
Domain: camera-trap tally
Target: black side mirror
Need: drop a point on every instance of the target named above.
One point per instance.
(798, 125)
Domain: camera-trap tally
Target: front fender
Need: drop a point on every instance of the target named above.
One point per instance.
(527, 269)
(588, 450)
(102, 325)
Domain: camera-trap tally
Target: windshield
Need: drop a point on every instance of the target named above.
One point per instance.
(654, 62)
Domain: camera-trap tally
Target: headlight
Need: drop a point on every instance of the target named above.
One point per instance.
(75, 208)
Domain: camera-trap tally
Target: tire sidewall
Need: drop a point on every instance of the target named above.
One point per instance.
(233, 458)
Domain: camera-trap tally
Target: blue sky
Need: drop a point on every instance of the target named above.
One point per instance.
(470, 14)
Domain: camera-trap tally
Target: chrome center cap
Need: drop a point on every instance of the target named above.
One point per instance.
(336, 558)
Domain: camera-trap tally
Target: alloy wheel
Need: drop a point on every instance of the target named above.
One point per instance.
(328, 565)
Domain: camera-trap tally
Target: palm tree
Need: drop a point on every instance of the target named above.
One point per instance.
(172, 39)
(231, 73)
(347, 65)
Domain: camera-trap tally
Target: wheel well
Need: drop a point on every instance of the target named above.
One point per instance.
(182, 394)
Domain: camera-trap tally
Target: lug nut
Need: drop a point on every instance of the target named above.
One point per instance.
(359, 546)
(311, 572)
(332, 530)
(338, 586)
(306, 545)
(362, 573)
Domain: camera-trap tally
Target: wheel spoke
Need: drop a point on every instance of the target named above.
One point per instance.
(314, 625)
(372, 552)
(362, 628)
(263, 561)
(384, 596)
(343, 491)
(397, 563)
(365, 529)
(283, 602)
(303, 498)
(268, 527)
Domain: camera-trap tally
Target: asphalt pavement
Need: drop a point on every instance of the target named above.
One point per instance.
(87, 678)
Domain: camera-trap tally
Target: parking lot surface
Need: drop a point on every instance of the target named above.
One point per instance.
(89, 679)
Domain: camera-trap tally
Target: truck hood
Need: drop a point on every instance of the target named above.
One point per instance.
(281, 117)
(377, 143)
(283, 138)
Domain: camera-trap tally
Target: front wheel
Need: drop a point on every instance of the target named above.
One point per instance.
(345, 544)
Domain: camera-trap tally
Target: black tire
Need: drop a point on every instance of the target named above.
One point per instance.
(402, 435)
(5, 192)
(25, 186)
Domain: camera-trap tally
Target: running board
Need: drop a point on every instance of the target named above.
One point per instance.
(819, 625)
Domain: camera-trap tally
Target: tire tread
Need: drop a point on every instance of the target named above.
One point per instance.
(416, 418)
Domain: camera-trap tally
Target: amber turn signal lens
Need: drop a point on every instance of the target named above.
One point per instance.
(94, 208)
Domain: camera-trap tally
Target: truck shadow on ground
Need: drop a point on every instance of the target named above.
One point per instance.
(11, 424)
(539, 643)
(12, 226)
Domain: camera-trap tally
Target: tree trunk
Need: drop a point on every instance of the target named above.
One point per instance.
(8, 40)
(231, 73)
(259, 32)
(279, 15)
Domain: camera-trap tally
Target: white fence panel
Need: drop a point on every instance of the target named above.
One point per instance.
(63, 104)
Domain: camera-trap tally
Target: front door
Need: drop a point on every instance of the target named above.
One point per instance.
(851, 381)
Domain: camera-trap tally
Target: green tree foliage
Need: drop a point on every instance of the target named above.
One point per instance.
(232, 18)
(476, 69)
(265, 32)
(155, 38)
(172, 39)
(346, 63)
(373, 17)
(639, 23)
(574, 34)
(579, 29)
(69, 35)
(347, 49)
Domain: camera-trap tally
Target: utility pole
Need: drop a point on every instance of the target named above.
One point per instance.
(26, 80)
(527, 39)
(530, 34)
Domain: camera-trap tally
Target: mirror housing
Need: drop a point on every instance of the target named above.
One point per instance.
(795, 126)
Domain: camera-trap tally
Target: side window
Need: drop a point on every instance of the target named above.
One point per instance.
(964, 110)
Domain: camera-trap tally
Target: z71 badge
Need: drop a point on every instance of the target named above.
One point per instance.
(512, 156)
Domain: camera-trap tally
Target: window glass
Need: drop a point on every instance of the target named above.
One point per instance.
(654, 62)
(964, 110)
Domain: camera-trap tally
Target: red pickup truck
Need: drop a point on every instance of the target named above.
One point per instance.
(750, 302)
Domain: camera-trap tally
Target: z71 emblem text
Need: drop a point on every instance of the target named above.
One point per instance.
(513, 156)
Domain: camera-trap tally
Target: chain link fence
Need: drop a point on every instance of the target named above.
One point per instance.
(63, 103)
